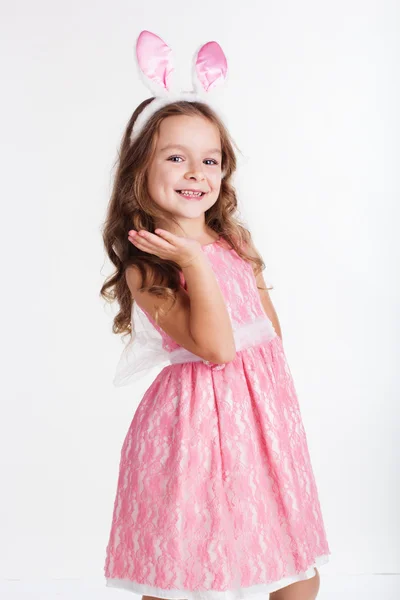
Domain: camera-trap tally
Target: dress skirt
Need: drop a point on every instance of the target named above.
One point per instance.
(216, 496)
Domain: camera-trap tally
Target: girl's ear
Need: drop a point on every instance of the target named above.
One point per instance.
(210, 67)
(154, 58)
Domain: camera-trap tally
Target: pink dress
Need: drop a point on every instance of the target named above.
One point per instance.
(216, 497)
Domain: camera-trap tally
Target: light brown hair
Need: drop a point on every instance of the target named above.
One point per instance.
(131, 207)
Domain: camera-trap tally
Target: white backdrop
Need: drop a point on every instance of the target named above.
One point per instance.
(312, 101)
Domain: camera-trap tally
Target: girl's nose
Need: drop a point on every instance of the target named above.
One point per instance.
(198, 175)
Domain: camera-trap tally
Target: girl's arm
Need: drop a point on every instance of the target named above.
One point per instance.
(264, 294)
(199, 320)
(267, 304)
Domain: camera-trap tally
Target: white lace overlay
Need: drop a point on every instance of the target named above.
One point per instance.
(146, 348)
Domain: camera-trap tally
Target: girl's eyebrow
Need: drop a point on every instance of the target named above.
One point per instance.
(171, 146)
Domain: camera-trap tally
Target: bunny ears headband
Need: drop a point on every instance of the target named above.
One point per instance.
(154, 59)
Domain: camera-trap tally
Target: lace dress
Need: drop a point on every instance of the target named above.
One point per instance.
(216, 497)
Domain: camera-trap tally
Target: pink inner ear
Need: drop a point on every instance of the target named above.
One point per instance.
(154, 58)
(211, 65)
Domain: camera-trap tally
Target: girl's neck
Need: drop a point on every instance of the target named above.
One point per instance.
(203, 234)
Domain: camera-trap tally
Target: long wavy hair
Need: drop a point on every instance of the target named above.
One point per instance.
(131, 207)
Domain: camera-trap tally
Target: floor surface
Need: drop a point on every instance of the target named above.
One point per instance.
(333, 587)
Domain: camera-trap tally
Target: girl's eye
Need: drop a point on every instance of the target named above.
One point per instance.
(207, 159)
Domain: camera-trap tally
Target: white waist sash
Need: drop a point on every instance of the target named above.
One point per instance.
(146, 350)
(245, 336)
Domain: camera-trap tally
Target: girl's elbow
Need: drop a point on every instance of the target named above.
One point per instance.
(224, 356)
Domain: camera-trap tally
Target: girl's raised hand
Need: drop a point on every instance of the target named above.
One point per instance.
(166, 245)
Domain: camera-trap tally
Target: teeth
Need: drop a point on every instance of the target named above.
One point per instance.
(190, 193)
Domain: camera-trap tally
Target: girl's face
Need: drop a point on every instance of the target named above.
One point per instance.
(187, 157)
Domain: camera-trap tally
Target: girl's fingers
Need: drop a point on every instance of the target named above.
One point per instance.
(149, 242)
(138, 240)
(167, 235)
(155, 241)
(171, 238)
(136, 237)
(144, 247)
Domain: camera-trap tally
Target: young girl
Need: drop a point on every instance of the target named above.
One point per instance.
(216, 496)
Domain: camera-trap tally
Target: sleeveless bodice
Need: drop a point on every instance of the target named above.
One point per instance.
(150, 346)
(236, 280)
